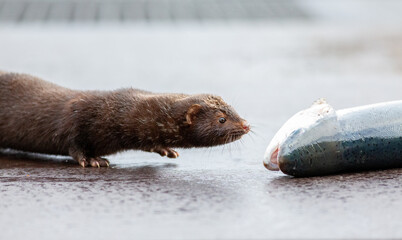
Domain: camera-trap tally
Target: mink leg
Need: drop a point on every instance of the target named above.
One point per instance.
(170, 153)
(84, 161)
(78, 156)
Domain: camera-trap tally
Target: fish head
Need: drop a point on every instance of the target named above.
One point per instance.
(303, 128)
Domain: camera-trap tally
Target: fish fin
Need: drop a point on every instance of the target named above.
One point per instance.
(320, 101)
(321, 108)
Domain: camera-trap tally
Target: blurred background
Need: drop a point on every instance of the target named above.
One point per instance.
(267, 58)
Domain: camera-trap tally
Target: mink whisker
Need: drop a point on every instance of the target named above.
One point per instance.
(257, 135)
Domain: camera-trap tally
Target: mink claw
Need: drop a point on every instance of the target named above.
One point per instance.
(164, 153)
(82, 162)
(173, 154)
(103, 162)
(95, 163)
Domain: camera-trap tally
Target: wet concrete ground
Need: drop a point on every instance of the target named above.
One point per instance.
(267, 71)
(46, 200)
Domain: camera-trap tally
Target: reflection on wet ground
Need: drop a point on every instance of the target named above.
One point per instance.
(44, 168)
(168, 189)
(335, 186)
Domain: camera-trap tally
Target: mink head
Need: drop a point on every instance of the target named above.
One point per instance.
(210, 121)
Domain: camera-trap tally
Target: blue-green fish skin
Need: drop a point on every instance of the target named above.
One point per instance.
(356, 139)
(335, 157)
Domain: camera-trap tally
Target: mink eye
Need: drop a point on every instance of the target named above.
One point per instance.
(222, 120)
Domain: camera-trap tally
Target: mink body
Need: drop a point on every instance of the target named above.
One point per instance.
(42, 117)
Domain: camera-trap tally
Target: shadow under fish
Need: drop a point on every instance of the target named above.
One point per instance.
(322, 141)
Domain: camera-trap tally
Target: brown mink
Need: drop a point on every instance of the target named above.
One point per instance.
(39, 116)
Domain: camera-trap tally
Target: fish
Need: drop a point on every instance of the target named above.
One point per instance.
(321, 141)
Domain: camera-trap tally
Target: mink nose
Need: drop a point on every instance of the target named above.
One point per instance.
(246, 126)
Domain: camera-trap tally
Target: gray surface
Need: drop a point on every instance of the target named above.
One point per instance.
(267, 71)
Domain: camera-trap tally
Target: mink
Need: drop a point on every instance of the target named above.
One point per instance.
(42, 117)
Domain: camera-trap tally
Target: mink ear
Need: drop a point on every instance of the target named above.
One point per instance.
(191, 112)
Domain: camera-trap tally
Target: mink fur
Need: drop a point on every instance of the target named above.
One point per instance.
(39, 116)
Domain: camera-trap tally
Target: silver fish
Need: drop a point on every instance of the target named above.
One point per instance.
(320, 140)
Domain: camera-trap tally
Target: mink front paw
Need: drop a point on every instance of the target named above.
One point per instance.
(94, 162)
(170, 153)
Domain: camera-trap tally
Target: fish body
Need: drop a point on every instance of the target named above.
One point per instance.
(321, 141)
